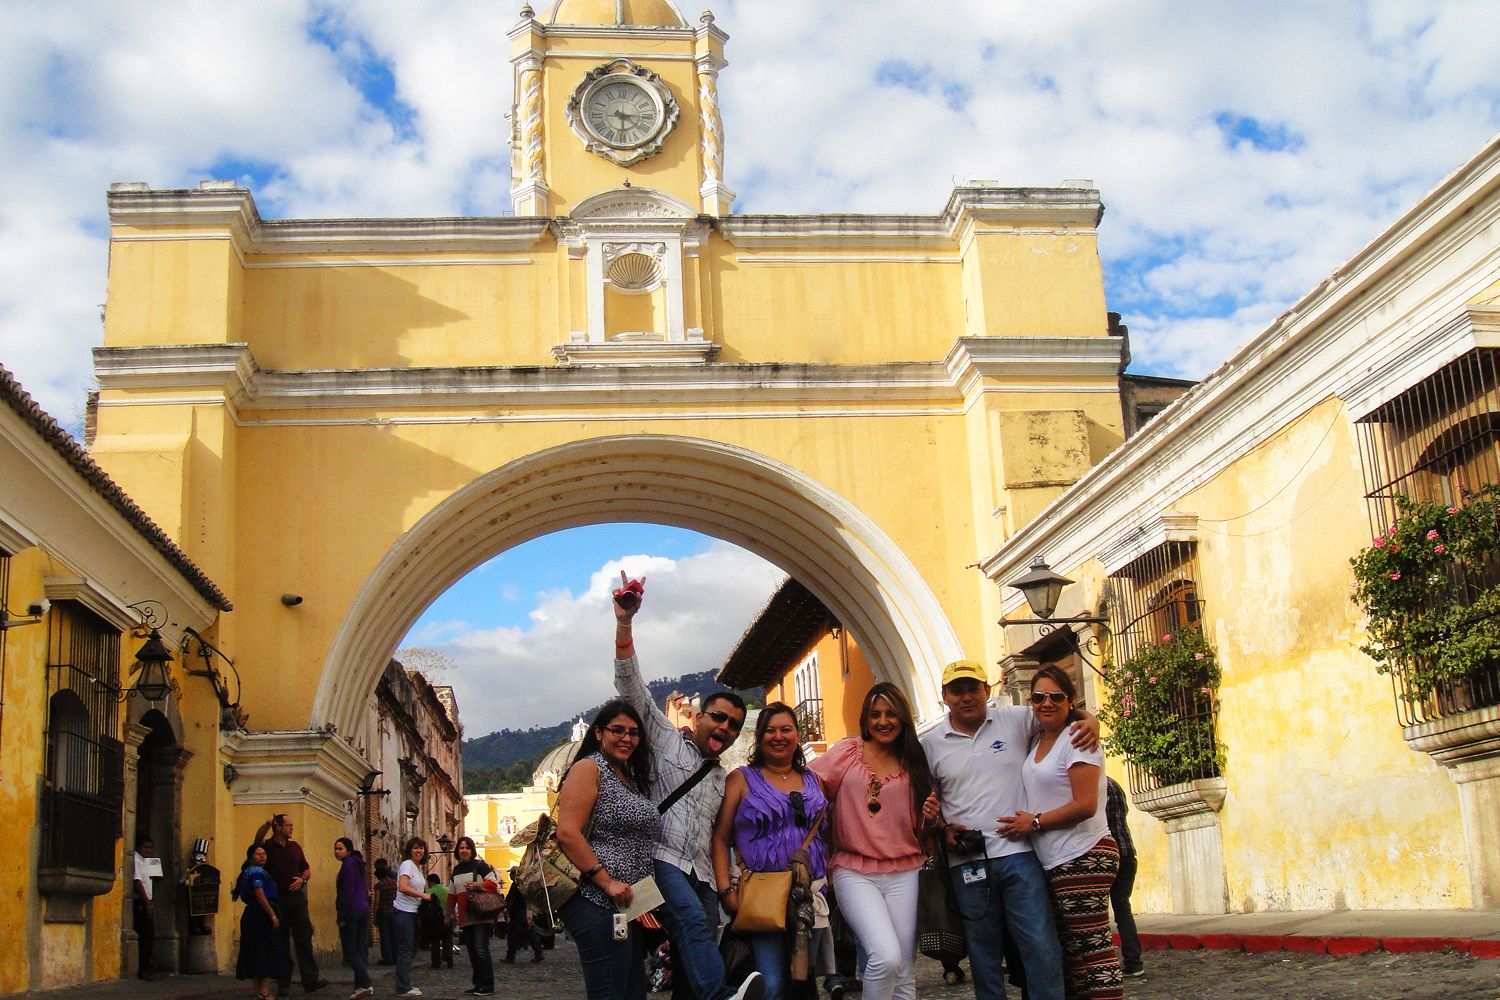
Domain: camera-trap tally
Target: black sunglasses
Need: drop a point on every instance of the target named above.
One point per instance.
(1056, 697)
(799, 809)
(724, 717)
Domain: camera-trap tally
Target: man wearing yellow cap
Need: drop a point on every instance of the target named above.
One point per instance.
(976, 755)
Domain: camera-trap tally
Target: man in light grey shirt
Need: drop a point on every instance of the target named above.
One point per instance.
(684, 871)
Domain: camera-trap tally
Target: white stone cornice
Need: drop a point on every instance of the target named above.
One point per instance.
(13, 537)
(637, 352)
(1168, 526)
(975, 358)
(312, 767)
(230, 375)
(230, 368)
(1365, 391)
(110, 607)
(610, 32)
(906, 232)
(1059, 207)
(234, 211)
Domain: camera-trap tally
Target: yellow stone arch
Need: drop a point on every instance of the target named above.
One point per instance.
(729, 492)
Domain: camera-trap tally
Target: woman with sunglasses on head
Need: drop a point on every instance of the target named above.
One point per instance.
(1069, 831)
(878, 782)
(604, 793)
(770, 807)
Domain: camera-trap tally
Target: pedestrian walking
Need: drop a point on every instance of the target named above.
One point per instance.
(262, 958)
(1065, 822)
(520, 929)
(410, 895)
(1115, 808)
(352, 905)
(688, 787)
(385, 908)
(471, 874)
(288, 866)
(432, 920)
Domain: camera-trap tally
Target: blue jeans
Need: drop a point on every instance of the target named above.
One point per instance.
(690, 917)
(1012, 899)
(771, 961)
(353, 936)
(406, 946)
(386, 928)
(612, 970)
(477, 940)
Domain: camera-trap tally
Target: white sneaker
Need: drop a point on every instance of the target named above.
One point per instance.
(413, 992)
(753, 988)
(362, 992)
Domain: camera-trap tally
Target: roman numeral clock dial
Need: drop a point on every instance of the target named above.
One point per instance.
(622, 112)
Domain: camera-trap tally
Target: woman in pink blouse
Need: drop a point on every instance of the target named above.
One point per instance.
(878, 783)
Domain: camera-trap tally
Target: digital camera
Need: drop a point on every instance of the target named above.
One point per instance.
(968, 841)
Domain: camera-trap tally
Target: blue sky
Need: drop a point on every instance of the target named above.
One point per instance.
(503, 592)
(1243, 152)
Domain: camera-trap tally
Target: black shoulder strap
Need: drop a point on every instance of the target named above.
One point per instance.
(709, 763)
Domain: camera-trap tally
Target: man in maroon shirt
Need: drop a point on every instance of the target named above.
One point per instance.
(286, 863)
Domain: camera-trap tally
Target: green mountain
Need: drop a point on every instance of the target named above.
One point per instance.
(503, 760)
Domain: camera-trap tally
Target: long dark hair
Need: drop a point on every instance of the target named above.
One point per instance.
(763, 722)
(1059, 676)
(249, 860)
(908, 747)
(359, 859)
(638, 766)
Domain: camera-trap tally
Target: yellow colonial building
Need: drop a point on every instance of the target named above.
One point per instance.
(358, 412)
(1236, 513)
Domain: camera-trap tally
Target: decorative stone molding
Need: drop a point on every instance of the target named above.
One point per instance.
(1168, 526)
(81, 591)
(1474, 326)
(636, 352)
(1195, 846)
(1468, 746)
(718, 200)
(12, 538)
(311, 767)
(667, 109)
(973, 359)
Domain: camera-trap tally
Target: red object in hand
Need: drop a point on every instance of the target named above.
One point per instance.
(629, 595)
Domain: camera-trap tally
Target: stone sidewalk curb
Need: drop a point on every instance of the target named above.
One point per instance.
(1485, 948)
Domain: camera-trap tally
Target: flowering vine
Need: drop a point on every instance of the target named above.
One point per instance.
(1430, 587)
(1159, 708)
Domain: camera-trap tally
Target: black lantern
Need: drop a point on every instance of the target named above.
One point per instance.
(1041, 587)
(445, 843)
(151, 664)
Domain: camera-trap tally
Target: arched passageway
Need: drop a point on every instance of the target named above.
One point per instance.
(730, 493)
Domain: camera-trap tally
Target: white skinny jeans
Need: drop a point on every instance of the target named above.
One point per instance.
(882, 910)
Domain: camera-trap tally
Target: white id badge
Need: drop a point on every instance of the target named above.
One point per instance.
(974, 872)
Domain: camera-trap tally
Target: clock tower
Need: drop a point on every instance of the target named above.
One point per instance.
(612, 94)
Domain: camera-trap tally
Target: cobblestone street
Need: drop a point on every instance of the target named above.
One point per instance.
(1200, 975)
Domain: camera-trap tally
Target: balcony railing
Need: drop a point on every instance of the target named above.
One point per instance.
(810, 720)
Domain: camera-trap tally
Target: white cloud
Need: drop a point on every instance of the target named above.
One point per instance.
(694, 613)
(827, 108)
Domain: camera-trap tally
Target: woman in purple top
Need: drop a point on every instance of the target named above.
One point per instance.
(352, 903)
(769, 807)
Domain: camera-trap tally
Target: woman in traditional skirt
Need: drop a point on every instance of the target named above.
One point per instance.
(261, 955)
(1070, 834)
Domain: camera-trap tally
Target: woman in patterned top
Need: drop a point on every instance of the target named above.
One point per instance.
(608, 828)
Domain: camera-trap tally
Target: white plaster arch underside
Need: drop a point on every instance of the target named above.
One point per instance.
(730, 493)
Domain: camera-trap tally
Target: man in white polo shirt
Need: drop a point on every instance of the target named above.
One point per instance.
(976, 755)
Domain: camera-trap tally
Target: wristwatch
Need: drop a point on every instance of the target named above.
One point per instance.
(1036, 823)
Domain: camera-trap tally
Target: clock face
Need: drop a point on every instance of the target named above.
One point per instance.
(621, 112)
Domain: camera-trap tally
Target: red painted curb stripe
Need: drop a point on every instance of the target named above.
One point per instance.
(1257, 944)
